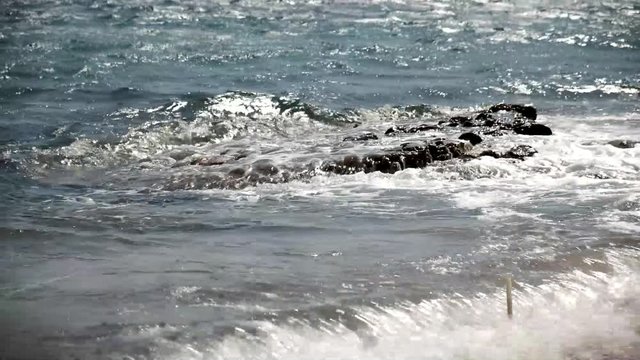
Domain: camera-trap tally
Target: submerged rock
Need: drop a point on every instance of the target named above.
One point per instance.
(520, 152)
(517, 152)
(361, 137)
(7, 164)
(422, 127)
(462, 121)
(394, 130)
(623, 144)
(264, 167)
(209, 161)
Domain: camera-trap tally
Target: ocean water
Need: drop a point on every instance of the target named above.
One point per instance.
(116, 244)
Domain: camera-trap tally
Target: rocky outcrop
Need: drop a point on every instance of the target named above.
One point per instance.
(414, 152)
(500, 119)
(409, 155)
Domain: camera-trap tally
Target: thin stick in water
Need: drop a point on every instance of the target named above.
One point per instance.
(509, 298)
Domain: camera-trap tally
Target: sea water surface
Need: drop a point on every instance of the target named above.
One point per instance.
(114, 245)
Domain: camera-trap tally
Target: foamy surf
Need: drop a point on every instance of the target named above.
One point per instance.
(585, 314)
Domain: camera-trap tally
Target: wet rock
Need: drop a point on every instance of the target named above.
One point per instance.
(208, 181)
(491, 153)
(486, 118)
(474, 139)
(520, 152)
(381, 162)
(458, 148)
(361, 137)
(350, 164)
(532, 129)
(623, 144)
(439, 151)
(237, 173)
(209, 161)
(419, 110)
(411, 130)
(422, 127)
(264, 167)
(527, 111)
(395, 129)
(416, 154)
(413, 146)
(416, 159)
(462, 121)
(517, 152)
(7, 164)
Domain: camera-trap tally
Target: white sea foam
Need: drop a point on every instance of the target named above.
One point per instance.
(580, 315)
(605, 89)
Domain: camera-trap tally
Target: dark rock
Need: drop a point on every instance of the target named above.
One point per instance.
(417, 158)
(484, 116)
(264, 167)
(623, 144)
(240, 155)
(525, 110)
(492, 131)
(350, 164)
(474, 139)
(419, 110)
(439, 151)
(599, 176)
(457, 149)
(520, 152)
(460, 121)
(237, 172)
(491, 153)
(361, 137)
(410, 155)
(414, 146)
(209, 161)
(403, 129)
(395, 129)
(7, 164)
(489, 122)
(532, 129)
(422, 127)
(378, 162)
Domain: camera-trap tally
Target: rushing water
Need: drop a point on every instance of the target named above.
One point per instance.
(117, 244)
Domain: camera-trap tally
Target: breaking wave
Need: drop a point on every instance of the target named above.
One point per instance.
(590, 313)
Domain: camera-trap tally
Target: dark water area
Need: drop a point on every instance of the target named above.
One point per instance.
(164, 192)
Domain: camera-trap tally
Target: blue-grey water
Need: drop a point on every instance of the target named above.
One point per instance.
(116, 244)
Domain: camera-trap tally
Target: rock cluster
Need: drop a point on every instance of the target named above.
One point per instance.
(495, 121)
